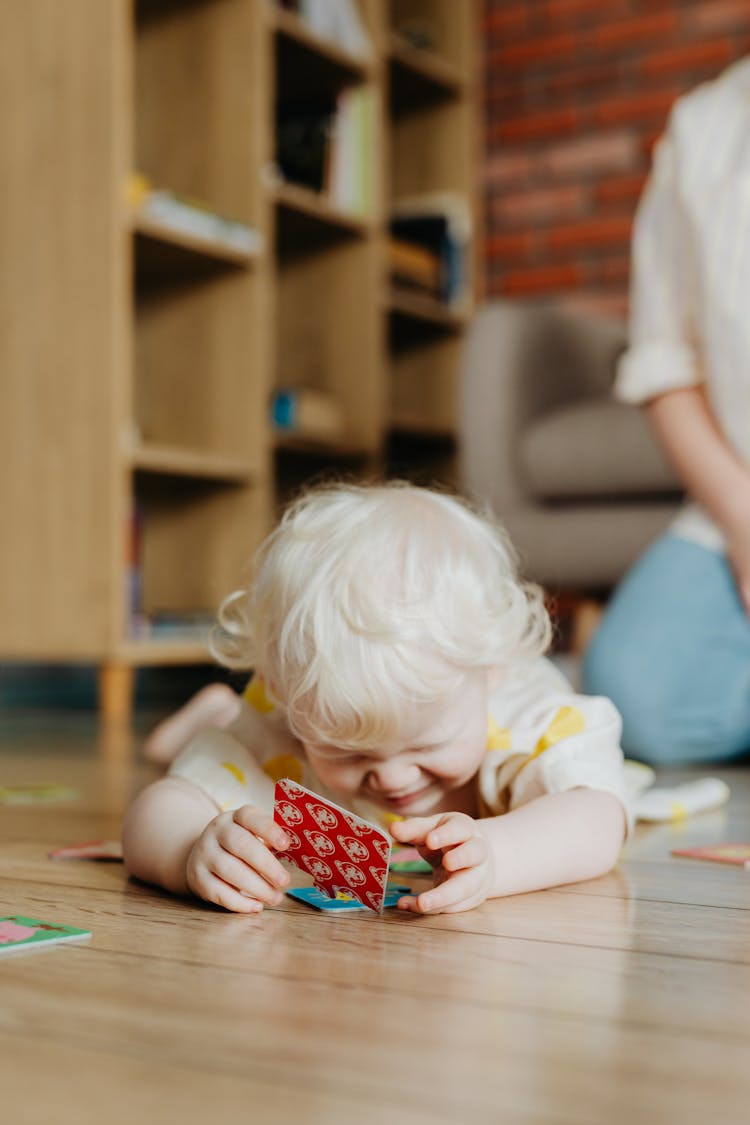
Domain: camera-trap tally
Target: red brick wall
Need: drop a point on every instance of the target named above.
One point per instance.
(576, 92)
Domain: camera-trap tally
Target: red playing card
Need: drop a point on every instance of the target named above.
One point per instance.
(341, 851)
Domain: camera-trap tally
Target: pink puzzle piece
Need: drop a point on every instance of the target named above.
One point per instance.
(11, 931)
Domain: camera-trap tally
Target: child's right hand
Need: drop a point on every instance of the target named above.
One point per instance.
(231, 864)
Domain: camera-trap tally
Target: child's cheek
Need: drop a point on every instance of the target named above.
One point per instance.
(349, 779)
(334, 774)
(344, 778)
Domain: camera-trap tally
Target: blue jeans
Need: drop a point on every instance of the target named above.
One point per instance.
(673, 654)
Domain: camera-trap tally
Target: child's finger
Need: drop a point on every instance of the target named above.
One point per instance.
(408, 902)
(209, 886)
(262, 825)
(414, 829)
(247, 881)
(469, 854)
(456, 828)
(417, 838)
(419, 829)
(449, 895)
(254, 854)
(231, 899)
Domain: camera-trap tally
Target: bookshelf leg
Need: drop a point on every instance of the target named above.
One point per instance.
(116, 690)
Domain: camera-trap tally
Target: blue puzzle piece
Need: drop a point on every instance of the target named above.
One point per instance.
(311, 896)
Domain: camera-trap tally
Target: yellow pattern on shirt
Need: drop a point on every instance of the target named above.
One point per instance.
(567, 721)
(255, 695)
(235, 771)
(285, 765)
(498, 738)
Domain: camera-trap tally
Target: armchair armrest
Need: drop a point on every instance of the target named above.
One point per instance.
(520, 361)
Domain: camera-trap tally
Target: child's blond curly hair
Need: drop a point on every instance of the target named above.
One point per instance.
(369, 596)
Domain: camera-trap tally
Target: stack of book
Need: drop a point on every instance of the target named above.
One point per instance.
(414, 267)
(430, 246)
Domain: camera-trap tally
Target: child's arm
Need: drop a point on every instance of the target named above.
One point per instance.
(555, 839)
(174, 837)
(160, 830)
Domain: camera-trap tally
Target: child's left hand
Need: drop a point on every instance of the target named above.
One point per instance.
(462, 858)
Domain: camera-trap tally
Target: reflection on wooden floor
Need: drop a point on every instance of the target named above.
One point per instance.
(626, 999)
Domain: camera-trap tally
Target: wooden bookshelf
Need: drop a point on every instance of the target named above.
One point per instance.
(139, 360)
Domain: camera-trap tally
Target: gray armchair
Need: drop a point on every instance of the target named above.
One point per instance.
(576, 477)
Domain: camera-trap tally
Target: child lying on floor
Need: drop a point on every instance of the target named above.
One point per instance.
(398, 669)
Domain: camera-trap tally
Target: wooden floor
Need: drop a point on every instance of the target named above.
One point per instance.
(622, 1000)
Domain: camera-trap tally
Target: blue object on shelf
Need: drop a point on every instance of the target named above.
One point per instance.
(283, 410)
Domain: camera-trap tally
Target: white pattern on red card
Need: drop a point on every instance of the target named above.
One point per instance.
(340, 850)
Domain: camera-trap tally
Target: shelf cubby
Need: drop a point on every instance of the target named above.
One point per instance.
(307, 220)
(329, 339)
(305, 60)
(419, 76)
(193, 541)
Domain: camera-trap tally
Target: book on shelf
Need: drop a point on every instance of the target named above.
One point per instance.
(303, 134)
(180, 625)
(184, 215)
(308, 413)
(441, 223)
(337, 21)
(173, 626)
(414, 267)
(327, 146)
(352, 141)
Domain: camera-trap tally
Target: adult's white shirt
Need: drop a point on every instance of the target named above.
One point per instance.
(690, 288)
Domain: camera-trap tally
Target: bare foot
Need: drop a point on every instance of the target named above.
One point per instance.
(213, 706)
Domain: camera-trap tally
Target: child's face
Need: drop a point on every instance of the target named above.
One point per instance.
(437, 751)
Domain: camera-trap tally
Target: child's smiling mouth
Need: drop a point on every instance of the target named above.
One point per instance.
(404, 800)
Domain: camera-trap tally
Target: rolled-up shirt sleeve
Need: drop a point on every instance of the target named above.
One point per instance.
(661, 355)
(572, 742)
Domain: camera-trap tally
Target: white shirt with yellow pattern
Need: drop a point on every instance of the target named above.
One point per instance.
(542, 738)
